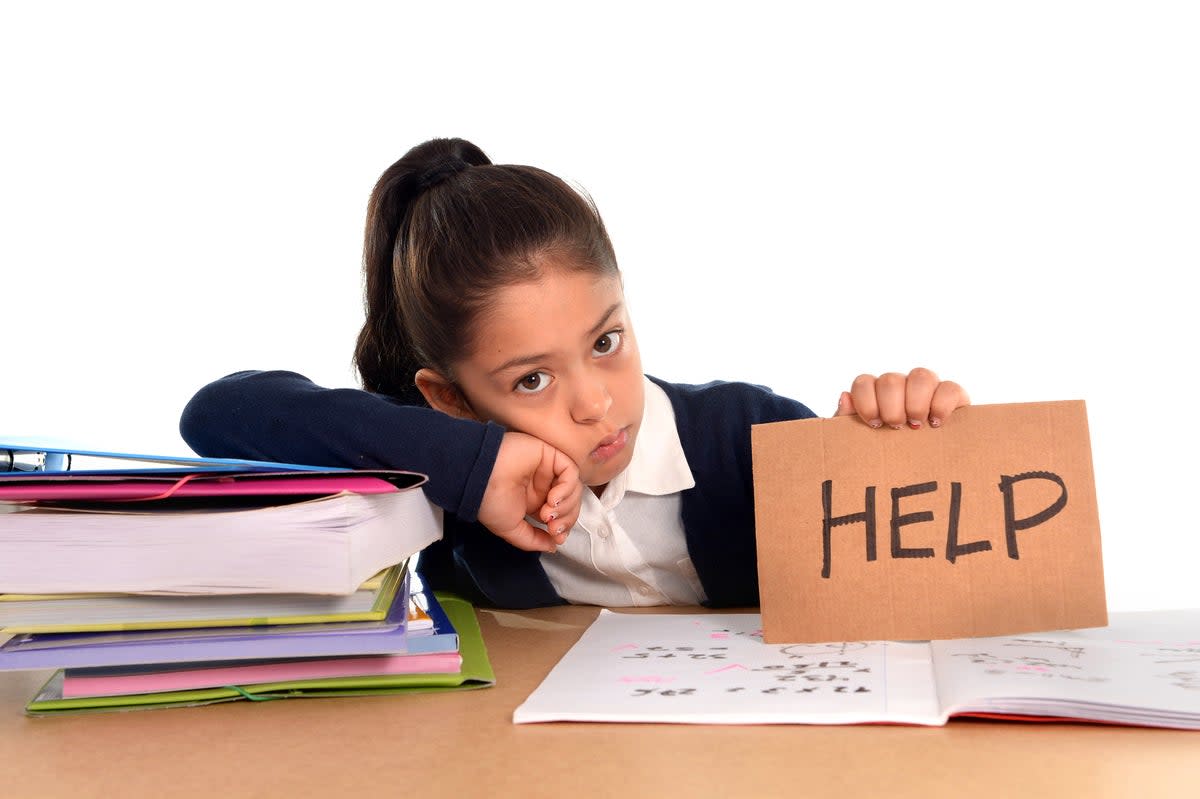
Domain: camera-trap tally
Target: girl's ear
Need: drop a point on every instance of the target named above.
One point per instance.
(442, 395)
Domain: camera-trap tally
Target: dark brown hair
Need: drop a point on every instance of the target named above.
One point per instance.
(445, 229)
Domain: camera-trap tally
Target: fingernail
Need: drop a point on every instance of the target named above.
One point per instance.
(897, 427)
(934, 421)
(915, 424)
(875, 424)
(557, 502)
(562, 529)
(551, 518)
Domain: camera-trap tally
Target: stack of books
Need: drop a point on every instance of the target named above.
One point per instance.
(210, 580)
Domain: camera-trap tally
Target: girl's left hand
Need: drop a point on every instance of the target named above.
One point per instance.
(895, 400)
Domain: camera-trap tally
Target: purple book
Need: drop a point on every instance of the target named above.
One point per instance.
(65, 650)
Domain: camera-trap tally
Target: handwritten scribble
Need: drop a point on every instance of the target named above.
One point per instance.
(1188, 680)
(1172, 654)
(663, 691)
(840, 648)
(1072, 650)
(1021, 662)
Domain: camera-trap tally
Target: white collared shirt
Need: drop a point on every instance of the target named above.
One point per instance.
(628, 546)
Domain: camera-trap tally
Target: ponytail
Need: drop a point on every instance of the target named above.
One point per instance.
(384, 354)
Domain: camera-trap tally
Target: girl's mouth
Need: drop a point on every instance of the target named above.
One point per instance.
(610, 445)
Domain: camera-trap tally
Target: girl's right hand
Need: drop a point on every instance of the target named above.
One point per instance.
(893, 399)
(531, 478)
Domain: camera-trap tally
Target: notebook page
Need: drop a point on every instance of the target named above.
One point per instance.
(715, 669)
(1125, 673)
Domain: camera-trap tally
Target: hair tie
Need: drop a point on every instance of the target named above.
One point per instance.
(435, 175)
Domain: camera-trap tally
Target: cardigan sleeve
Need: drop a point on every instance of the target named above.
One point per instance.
(284, 416)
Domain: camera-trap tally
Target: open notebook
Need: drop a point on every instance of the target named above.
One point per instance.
(1143, 669)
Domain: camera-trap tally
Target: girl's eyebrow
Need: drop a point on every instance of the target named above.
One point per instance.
(528, 360)
(599, 326)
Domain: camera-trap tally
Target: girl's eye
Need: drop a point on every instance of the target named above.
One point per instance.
(607, 344)
(533, 383)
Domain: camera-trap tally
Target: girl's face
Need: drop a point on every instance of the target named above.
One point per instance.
(557, 359)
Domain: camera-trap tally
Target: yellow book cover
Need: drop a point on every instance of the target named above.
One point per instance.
(25, 613)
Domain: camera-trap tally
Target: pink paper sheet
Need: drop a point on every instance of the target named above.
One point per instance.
(84, 489)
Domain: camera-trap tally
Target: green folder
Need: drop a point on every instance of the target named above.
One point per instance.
(476, 673)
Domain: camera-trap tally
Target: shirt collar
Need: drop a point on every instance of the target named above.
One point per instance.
(658, 465)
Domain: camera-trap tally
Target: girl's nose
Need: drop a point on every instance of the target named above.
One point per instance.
(592, 401)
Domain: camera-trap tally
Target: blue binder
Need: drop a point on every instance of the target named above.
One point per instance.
(24, 456)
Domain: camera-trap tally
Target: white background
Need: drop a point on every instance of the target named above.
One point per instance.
(1008, 193)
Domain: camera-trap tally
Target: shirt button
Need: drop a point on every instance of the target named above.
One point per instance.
(603, 531)
(644, 590)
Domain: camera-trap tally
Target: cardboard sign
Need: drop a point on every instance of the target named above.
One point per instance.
(985, 526)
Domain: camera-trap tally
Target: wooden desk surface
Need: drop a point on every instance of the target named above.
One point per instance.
(465, 745)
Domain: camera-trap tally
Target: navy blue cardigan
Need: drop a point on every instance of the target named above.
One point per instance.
(283, 416)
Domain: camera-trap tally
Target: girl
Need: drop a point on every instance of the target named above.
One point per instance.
(499, 359)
